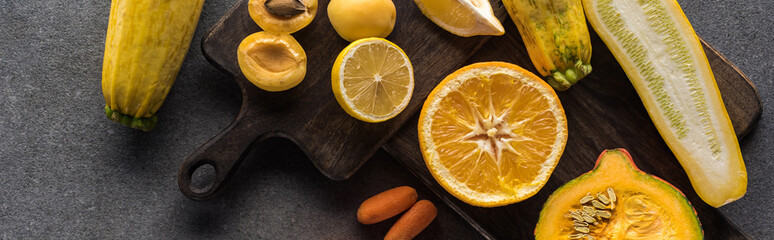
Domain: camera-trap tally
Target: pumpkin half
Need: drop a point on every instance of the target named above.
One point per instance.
(616, 200)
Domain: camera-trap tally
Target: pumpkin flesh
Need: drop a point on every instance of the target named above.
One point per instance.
(646, 206)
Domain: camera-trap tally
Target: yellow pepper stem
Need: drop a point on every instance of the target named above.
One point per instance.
(564, 80)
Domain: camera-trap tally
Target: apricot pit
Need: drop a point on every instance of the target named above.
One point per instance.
(282, 16)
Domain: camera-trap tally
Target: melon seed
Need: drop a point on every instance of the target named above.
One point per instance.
(285, 8)
(589, 237)
(582, 229)
(598, 204)
(586, 199)
(604, 214)
(611, 194)
(603, 199)
(580, 224)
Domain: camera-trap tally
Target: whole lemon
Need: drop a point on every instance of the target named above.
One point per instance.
(356, 19)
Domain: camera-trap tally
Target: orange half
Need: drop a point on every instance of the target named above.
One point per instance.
(491, 133)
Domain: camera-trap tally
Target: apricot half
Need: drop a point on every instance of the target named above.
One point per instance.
(272, 61)
(282, 16)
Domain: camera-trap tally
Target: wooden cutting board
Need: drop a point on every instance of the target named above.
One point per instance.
(603, 111)
(308, 114)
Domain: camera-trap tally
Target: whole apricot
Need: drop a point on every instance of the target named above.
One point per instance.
(356, 19)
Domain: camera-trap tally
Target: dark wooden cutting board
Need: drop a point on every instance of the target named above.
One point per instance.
(308, 114)
(603, 111)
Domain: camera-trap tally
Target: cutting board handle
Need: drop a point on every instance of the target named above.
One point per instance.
(224, 153)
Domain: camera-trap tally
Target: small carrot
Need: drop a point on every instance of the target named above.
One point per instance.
(413, 221)
(386, 204)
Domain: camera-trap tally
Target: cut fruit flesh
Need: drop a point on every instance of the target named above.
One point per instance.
(492, 133)
(663, 58)
(282, 24)
(272, 57)
(625, 203)
(272, 61)
(462, 17)
(372, 79)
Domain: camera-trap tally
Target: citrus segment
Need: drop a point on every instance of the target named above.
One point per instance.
(491, 133)
(372, 79)
(462, 17)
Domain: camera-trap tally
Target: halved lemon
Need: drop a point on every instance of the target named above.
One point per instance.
(372, 79)
(463, 18)
(491, 133)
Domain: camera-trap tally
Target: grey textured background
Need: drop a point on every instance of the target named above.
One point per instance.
(68, 172)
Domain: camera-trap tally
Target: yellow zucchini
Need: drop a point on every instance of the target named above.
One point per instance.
(146, 43)
(663, 58)
(556, 37)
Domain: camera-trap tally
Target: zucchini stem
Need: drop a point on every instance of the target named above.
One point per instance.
(143, 123)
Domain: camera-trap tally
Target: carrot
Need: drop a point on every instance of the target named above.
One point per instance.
(386, 205)
(413, 221)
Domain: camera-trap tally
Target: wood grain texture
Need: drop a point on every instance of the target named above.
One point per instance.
(603, 112)
(308, 114)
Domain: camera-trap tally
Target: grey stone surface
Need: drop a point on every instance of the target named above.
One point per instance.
(67, 172)
(744, 32)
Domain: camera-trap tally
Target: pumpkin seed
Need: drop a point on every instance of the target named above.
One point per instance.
(589, 210)
(603, 199)
(576, 235)
(598, 204)
(582, 229)
(580, 224)
(604, 214)
(586, 199)
(611, 194)
(588, 218)
(577, 216)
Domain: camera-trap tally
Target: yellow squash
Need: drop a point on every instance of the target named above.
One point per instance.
(146, 43)
(616, 201)
(661, 54)
(556, 37)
